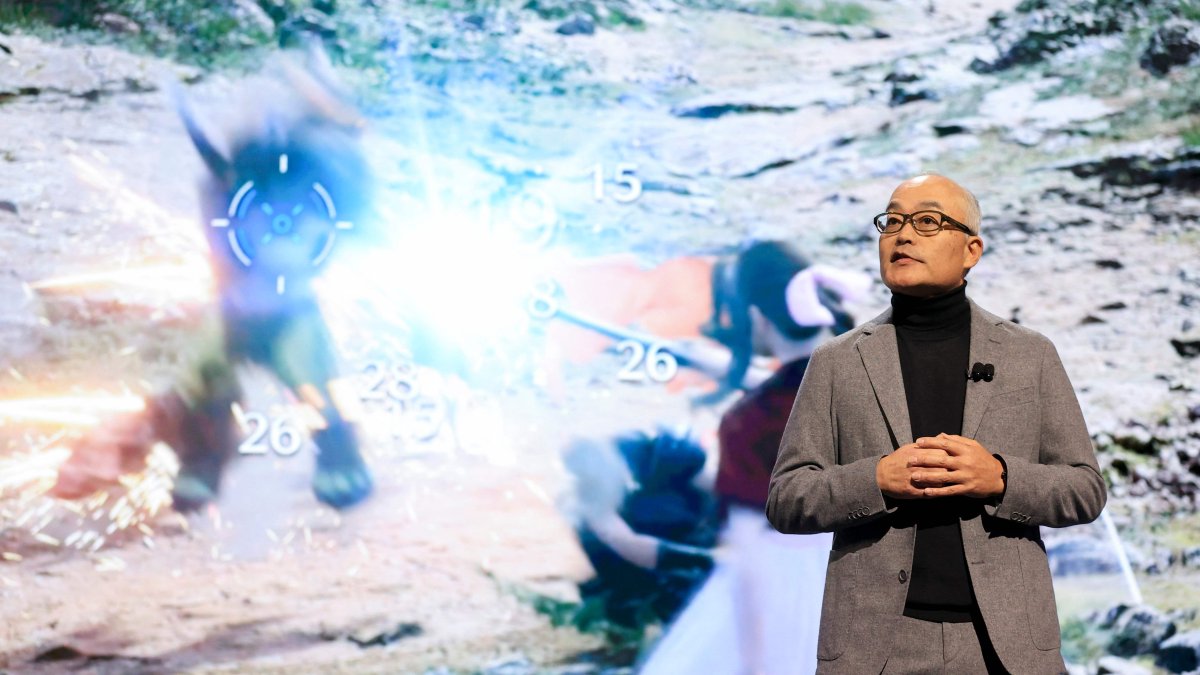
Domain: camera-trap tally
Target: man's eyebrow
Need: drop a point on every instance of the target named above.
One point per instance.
(893, 205)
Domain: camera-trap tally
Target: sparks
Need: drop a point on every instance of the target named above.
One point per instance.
(76, 410)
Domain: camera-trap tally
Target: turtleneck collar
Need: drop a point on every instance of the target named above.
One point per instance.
(940, 316)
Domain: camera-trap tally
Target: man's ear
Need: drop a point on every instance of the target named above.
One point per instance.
(972, 254)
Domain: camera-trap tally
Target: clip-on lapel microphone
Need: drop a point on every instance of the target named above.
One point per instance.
(982, 371)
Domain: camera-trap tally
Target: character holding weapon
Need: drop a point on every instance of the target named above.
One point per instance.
(769, 304)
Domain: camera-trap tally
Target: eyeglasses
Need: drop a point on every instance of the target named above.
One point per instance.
(924, 222)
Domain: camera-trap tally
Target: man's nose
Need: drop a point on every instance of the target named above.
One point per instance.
(908, 230)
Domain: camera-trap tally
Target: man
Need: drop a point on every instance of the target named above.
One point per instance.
(937, 562)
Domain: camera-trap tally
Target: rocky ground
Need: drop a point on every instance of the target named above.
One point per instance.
(1080, 136)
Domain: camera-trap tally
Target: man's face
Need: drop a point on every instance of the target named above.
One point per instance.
(926, 265)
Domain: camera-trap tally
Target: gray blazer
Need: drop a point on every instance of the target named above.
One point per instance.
(851, 411)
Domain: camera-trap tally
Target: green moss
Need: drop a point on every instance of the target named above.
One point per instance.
(1079, 642)
(843, 13)
(1191, 136)
(213, 35)
(206, 35)
(57, 13)
(1182, 531)
(1189, 10)
(829, 11)
(19, 17)
(618, 17)
(588, 616)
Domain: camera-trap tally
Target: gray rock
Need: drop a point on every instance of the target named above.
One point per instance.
(862, 33)
(8, 207)
(1188, 349)
(1184, 615)
(1081, 555)
(904, 79)
(714, 110)
(1035, 30)
(821, 29)
(1026, 136)
(308, 21)
(118, 24)
(1108, 618)
(580, 24)
(249, 12)
(1067, 111)
(578, 669)
(747, 146)
(1166, 166)
(517, 665)
(1138, 630)
(960, 125)
(1175, 43)
(380, 633)
(770, 99)
(1022, 117)
(1181, 653)
(1114, 665)
(1135, 193)
(46, 69)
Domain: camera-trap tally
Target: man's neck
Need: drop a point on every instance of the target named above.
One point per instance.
(944, 313)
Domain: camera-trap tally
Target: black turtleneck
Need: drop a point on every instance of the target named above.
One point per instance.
(934, 340)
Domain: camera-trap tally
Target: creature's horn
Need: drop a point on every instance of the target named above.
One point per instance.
(317, 83)
(216, 162)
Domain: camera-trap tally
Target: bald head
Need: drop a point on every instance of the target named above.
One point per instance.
(942, 194)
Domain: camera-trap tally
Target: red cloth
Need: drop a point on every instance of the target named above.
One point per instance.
(750, 433)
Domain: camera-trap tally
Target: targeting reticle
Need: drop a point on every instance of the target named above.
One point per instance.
(303, 217)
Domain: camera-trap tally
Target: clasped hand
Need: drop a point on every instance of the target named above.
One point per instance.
(940, 466)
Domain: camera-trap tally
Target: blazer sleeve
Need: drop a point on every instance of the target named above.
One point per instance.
(809, 491)
(1064, 487)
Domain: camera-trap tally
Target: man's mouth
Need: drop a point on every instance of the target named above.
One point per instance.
(902, 256)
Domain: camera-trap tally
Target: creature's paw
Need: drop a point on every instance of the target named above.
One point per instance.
(343, 486)
(342, 479)
(191, 492)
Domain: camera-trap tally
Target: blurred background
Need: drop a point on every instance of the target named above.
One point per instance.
(333, 332)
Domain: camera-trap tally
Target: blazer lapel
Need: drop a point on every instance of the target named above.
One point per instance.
(881, 358)
(986, 347)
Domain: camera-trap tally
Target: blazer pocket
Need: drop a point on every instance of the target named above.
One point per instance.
(837, 606)
(1040, 605)
(1011, 399)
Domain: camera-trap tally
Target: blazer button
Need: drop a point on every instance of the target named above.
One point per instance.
(903, 576)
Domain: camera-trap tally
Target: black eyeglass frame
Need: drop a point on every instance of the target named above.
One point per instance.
(911, 218)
